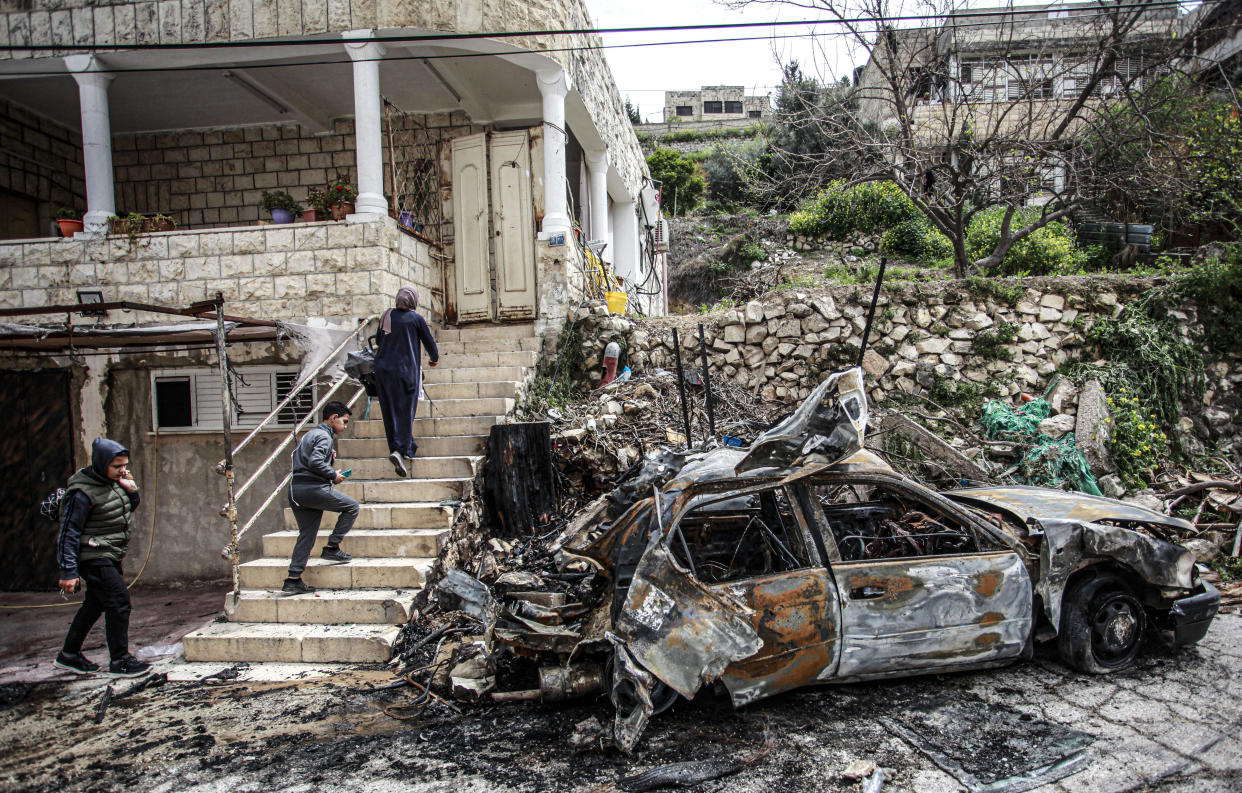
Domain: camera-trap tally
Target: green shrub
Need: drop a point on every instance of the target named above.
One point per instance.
(986, 287)
(1047, 251)
(1137, 442)
(916, 239)
(1215, 287)
(837, 211)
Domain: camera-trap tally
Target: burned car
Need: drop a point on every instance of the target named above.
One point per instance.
(806, 558)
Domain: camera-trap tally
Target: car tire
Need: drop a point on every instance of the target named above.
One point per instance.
(624, 700)
(1102, 626)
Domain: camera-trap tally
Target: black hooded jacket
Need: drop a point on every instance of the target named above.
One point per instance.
(76, 506)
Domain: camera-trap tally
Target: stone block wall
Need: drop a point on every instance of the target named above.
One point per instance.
(337, 271)
(42, 160)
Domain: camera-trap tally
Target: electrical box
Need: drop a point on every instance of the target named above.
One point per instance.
(660, 236)
(650, 206)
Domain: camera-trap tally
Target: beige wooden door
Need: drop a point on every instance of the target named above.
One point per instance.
(513, 224)
(472, 280)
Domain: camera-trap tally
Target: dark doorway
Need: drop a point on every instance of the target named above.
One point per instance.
(36, 457)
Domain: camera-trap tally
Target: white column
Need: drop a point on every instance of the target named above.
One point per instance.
(368, 123)
(625, 241)
(553, 85)
(597, 173)
(96, 141)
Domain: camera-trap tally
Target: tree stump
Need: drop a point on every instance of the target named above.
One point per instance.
(519, 480)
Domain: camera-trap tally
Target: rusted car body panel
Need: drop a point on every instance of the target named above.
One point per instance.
(807, 559)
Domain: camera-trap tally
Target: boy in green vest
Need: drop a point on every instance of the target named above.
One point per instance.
(95, 514)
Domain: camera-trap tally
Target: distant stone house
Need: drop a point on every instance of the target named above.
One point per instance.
(482, 165)
(715, 103)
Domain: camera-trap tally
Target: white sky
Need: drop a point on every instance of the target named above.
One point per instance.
(644, 73)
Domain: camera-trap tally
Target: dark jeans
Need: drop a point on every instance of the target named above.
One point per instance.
(400, 405)
(309, 503)
(105, 594)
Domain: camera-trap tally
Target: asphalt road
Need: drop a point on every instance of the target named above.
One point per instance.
(1172, 724)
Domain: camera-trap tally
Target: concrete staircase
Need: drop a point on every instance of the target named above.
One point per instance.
(357, 609)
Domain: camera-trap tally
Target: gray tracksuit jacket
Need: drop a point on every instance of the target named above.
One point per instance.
(313, 457)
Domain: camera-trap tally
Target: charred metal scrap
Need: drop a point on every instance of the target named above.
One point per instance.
(807, 559)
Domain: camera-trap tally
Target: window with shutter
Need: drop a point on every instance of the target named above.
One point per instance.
(189, 399)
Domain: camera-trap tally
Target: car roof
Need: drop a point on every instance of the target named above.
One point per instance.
(1026, 501)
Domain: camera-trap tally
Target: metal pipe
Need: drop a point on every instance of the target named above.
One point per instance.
(875, 296)
(226, 404)
(707, 386)
(681, 387)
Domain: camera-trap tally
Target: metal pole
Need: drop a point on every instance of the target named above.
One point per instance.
(875, 296)
(226, 405)
(681, 387)
(707, 385)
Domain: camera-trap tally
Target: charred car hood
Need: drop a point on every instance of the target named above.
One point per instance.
(827, 427)
(1045, 504)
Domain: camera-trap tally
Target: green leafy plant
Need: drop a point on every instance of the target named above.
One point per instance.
(979, 286)
(917, 239)
(681, 182)
(68, 213)
(279, 199)
(838, 211)
(1215, 287)
(1047, 251)
(134, 225)
(1228, 567)
(318, 200)
(341, 193)
(991, 344)
(1137, 442)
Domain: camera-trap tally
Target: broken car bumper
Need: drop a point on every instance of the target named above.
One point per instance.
(1190, 617)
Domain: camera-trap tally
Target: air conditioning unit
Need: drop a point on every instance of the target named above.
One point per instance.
(660, 235)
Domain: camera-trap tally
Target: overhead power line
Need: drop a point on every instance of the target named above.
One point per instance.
(344, 59)
(431, 38)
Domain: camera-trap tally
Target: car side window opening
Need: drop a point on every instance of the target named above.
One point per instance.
(875, 522)
(741, 537)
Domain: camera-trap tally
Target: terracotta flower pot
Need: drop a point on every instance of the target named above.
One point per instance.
(69, 227)
(341, 210)
(311, 215)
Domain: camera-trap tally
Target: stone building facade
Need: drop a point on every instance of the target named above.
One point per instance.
(715, 103)
(114, 108)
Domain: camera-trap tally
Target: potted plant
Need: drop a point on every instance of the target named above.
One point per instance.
(69, 220)
(282, 205)
(320, 205)
(134, 224)
(342, 196)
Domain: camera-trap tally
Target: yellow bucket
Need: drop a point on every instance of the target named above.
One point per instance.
(616, 302)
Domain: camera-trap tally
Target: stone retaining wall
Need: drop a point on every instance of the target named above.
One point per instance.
(924, 337)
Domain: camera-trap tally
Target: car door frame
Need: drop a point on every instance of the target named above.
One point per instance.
(923, 614)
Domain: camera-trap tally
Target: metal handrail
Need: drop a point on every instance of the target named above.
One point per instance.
(225, 467)
(298, 386)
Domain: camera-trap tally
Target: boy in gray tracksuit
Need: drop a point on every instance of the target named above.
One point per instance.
(311, 493)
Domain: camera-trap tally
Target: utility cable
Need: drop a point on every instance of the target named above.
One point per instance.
(155, 502)
(509, 34)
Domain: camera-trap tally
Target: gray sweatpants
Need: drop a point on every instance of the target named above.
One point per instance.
(309, 503)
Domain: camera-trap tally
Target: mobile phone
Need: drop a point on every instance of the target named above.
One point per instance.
(347, 472)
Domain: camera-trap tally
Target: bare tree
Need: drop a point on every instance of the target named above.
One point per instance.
(970, 109)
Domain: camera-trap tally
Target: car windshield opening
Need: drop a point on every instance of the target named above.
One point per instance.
(871, 522)
(741, 537)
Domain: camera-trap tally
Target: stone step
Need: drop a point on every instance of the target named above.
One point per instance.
(406, 515)
(388, 491)
(453, 408)
(474, 332)
(458, 372)
(258, 642)
(507, 344)
(364, 543)
(322, 607)
(447, 446)
(421, 468)
(458, 425)
(470, 360)
(269, 573)
(503, 389)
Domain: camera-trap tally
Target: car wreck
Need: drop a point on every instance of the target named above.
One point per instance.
(806, 558)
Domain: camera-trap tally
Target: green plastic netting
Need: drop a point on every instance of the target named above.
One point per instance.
(1047, 461)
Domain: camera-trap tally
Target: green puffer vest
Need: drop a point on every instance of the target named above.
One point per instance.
(106, 532)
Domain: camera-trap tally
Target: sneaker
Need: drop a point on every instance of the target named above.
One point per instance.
(398, 464)
(128, 666)
(76, 662)
(295, 586)
(334, 554)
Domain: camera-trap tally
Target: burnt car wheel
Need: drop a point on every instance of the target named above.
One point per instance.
(624, 699)
(1102, 626)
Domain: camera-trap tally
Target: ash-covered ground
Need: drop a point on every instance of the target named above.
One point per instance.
(1172, 724)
